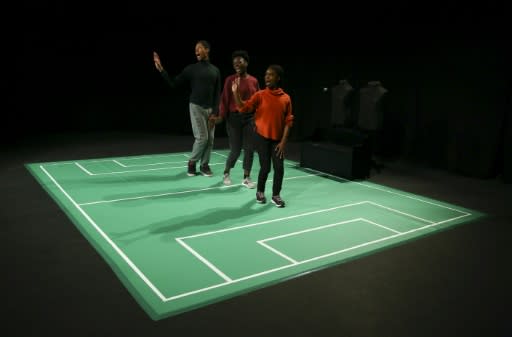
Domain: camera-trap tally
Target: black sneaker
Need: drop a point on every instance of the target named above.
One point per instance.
(260, 198)
(205, 170)
(191, 169)
(276, 200)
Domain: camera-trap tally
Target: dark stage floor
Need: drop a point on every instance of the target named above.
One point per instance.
(453, 283)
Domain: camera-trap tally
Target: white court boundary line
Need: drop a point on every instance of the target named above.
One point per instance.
(293, 261)
(158, 293)
(116, 158)
(317, 173)
(107, 238)
(151, 164)
(229, 281)
(150, 196)
(80, 164)
(135, 171)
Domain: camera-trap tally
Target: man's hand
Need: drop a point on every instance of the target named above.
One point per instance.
(212, 120)
(158, 64)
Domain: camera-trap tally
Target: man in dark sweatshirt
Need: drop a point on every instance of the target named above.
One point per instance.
(205, 85)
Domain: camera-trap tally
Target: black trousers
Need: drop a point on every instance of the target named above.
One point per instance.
(267, 154)
(240, 130)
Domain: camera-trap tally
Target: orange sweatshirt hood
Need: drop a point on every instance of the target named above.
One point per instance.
(276, 92)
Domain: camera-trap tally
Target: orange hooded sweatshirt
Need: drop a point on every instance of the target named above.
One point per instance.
(272, 112)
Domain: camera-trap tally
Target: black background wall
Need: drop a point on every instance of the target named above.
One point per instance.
(445, 66)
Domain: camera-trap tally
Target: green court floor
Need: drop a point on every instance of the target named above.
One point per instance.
(178, 242)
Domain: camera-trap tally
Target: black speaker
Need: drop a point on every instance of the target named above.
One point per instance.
(345, 161)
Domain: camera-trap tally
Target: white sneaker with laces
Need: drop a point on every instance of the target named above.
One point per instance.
(227, 180)
(247, 182)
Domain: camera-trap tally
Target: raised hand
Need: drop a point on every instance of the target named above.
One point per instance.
(235, 84)
(158, 63)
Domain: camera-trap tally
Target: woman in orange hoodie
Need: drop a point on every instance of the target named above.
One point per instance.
(273, 118)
